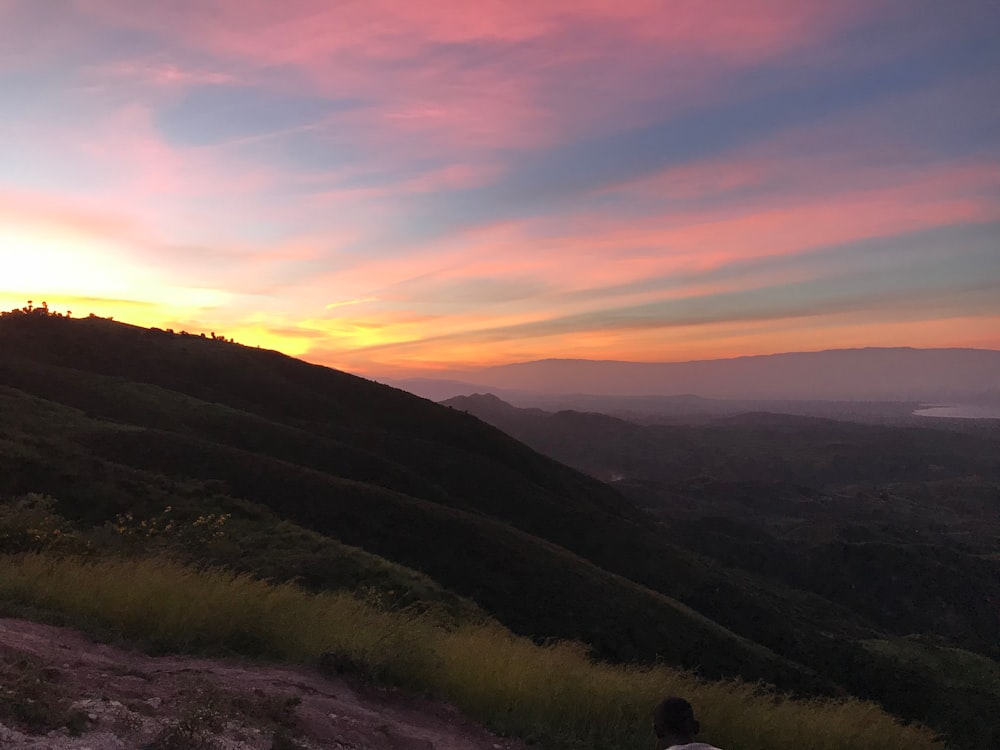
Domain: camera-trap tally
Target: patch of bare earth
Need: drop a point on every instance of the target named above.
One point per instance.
(59, 690)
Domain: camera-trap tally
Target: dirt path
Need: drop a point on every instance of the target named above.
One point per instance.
(120, 699)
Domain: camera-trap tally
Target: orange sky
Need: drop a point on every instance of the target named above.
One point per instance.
(390, 187)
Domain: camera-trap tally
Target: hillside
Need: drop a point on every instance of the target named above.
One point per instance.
(552, 695)
(129, 418)
(848, 511)
(339, 482)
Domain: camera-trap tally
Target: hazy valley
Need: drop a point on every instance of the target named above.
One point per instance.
(892, 376)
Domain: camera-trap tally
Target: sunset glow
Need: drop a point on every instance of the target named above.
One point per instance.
(389, 187)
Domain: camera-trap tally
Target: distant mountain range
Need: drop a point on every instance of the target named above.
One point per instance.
(872, 374)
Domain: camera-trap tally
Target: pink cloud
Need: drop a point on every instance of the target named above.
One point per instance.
(43, 209)
(307, 31)
(451, 177)
(146, 72)
(130, 147)
(804, 216)
(392, 54)
(585, 252)
(441, 93)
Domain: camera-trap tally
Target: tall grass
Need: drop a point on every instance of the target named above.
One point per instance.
(551, 693)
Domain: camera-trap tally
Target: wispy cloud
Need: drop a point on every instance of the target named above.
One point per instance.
(397, 183)
(349, 302)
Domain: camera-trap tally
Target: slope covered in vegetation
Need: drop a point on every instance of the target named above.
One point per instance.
(338, 482)
(550, 693)
(898, 522)
(538, 545)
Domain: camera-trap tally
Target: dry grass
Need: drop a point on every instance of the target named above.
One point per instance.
(553, 694)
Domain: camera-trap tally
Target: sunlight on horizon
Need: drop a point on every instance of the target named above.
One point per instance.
(442, 190)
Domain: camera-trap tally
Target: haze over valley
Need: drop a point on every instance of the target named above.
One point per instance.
(848, 383)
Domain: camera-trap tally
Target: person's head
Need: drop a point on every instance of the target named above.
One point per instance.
(674, 722)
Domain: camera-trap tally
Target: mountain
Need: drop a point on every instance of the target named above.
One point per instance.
(874, 374)
(340, 482)
(437, 389)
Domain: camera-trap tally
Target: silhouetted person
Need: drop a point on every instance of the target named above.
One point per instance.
(675, 726)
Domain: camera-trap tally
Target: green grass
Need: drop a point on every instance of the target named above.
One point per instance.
(963, 686)
(957, 668)
(554, 694)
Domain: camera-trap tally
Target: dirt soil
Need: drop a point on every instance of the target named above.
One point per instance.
(56, 683)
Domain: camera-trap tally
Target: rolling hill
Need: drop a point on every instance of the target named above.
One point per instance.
(110, 418)
(341, 482)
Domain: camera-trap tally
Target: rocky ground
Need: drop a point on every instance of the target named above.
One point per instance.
(60, 690)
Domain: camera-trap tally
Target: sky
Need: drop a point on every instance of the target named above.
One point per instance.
(395, 187)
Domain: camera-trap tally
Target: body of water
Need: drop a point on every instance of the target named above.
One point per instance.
(959, 411)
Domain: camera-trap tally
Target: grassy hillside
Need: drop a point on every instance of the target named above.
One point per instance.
(329, 477)
(439, 492)
(504, 570)
(552, 694)
(398, 524)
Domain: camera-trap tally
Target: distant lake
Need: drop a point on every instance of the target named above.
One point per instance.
(960, 411)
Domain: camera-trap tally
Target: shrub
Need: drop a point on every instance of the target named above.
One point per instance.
(30, 523)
